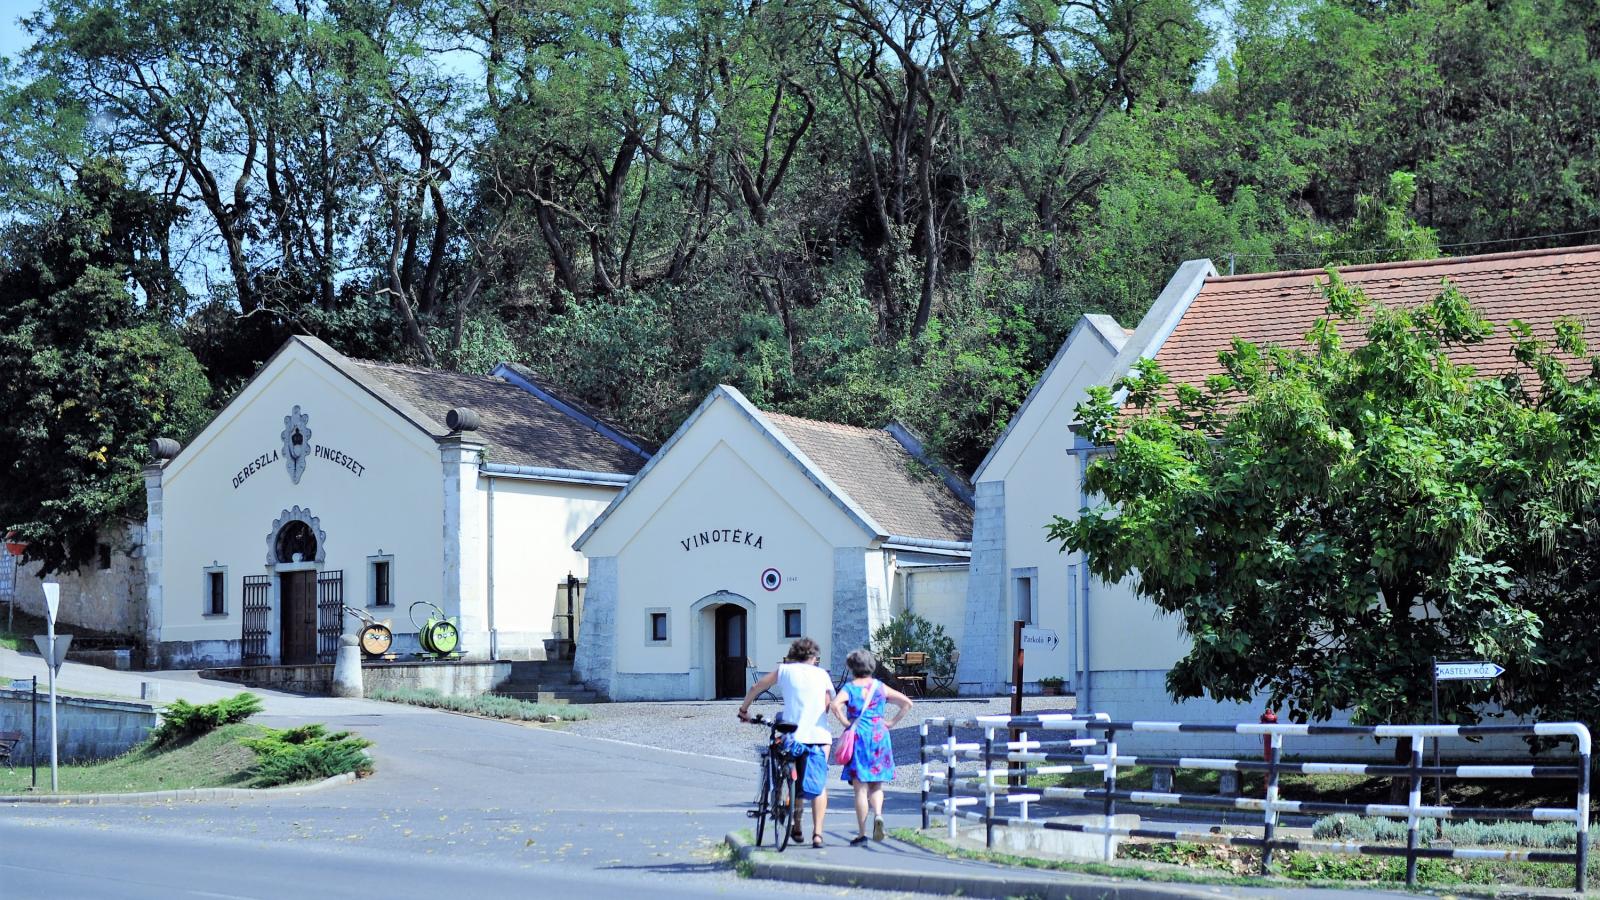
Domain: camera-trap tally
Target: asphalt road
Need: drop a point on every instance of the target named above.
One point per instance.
(459, 807)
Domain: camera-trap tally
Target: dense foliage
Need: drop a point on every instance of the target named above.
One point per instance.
(911, 633)
(183, 721)
(305, 753)
(1326, 520)
(87, 374)
(851, 209)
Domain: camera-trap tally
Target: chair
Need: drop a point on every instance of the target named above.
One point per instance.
(9, 740)
(908, 671)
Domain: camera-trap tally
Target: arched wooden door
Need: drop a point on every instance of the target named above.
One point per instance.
(732, 654)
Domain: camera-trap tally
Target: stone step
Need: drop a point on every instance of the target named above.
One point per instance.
(541, 684)
(561, 697)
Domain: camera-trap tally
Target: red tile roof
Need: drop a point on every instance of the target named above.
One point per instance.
(1536, 286)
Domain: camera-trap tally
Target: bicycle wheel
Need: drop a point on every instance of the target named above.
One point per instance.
(782, 802)
(763, 801)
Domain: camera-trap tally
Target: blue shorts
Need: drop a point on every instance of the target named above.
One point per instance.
(811, 768)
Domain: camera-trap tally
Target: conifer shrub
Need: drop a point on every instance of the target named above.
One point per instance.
(183, 721)
(305, 753)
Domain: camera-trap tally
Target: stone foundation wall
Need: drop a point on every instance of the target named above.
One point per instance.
(90, 729)
(110, 599)
(468, 678)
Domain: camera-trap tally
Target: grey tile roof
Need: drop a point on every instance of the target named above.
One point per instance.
(518, 427)
(895, 488)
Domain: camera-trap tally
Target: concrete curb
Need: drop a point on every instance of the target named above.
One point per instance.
(773, 867)
(191, 795)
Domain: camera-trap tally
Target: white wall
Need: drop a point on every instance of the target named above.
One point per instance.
(1042, 480)
(721, 473)
(936, 593)
(394, 505)
(534, 526)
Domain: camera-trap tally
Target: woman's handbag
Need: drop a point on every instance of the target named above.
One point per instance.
(844, 749)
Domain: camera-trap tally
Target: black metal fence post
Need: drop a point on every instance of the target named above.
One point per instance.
(1584, 762)
(1111, 786)
(33, 754)
(988, 788)
(922, 756)
(1274, 750)
(1414, 799)
(950, 773)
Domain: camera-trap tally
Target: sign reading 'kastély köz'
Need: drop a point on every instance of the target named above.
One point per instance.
(1466, 671)
(721, 536)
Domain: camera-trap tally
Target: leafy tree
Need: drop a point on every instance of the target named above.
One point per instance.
(1327, 519)
(90, 376)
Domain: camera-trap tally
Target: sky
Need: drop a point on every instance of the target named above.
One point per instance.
(12, 38)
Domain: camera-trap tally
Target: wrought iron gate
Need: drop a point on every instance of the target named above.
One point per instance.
(257, 620)
(330, 614)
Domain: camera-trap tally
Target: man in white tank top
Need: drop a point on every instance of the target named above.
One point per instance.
(807, 690)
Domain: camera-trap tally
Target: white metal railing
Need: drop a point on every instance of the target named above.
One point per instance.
(1005, 765)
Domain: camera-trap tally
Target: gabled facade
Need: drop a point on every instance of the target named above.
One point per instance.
(330, 482)
(1116, 648)
(748, 530)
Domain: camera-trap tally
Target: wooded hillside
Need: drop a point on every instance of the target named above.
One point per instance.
(850, 209)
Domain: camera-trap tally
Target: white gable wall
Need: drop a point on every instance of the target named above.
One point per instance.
(683, 541)
(393, 506)
(533, 524)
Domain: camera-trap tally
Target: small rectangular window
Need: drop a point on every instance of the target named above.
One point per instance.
(1025, 589)
(658, 626)
(380, 584)
(216, 593)
(380, 580)
(792, 623)
(104, 552)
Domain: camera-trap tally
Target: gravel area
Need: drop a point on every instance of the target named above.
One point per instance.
(712, 727)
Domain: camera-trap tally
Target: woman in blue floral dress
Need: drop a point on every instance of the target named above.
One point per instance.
(872, 764)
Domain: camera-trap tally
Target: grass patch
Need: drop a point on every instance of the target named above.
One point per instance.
(1203, 863)
(238, 755)
(217, 759)
(484, 705)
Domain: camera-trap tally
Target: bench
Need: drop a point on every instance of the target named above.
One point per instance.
(9, 742)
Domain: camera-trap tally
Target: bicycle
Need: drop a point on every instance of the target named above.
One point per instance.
(779, 795)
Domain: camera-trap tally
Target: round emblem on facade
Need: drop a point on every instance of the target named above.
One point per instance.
(771, 579)
(296, 442)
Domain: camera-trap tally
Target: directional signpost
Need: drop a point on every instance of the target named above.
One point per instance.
(1465, 671)
(1036, 638)
(54, 652)
(1469, 670)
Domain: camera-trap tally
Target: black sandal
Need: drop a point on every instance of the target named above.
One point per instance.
(816, 842)
(858, 840)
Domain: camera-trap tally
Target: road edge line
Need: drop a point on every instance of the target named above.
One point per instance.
(194, 795)
(768, 866)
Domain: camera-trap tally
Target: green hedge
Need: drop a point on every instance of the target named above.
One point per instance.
(309, 752)
(1535, 835)
(183, 721)
(483, 705)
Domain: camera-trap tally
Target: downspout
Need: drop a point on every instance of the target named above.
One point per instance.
(494, 634)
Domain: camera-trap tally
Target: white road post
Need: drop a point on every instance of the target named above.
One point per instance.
(52, 602)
